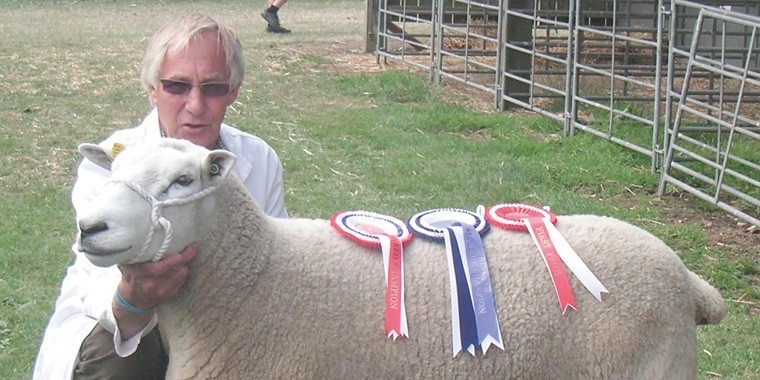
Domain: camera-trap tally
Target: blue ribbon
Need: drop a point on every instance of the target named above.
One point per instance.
(474, 324)
(484, 306)
(467, 324)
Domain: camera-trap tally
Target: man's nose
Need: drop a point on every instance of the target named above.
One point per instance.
(196, 101)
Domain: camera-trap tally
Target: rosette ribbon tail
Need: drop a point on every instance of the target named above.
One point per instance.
(540, 235)
(574, 263)
(481, 290)
(395, 309)
(463, 324)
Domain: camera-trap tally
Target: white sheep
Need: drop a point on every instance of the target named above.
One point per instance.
(291, 298)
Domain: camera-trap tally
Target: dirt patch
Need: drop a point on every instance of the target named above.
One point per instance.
(722, 228)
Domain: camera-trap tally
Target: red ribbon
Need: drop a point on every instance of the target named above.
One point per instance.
(554, 264)
(394, 289)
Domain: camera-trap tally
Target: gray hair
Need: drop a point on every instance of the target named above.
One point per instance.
(177, 34)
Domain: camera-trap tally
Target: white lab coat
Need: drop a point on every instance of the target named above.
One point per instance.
(87, 291)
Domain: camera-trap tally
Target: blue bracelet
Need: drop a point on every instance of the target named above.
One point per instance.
(131, 307)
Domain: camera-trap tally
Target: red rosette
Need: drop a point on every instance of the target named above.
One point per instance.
(366, 227)
(510, 216)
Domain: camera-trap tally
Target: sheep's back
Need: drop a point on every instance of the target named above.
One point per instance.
(319, 308)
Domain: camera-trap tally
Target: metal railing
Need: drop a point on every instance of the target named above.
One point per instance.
(673, 80)
(714, 135)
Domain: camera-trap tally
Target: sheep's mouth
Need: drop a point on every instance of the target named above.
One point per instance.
(82, 247)
(106, 258)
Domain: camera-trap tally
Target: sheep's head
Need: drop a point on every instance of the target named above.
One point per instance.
(154, 201)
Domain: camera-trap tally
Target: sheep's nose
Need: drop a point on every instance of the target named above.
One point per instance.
(92, 229)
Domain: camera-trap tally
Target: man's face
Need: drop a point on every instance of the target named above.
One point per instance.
(185, 109)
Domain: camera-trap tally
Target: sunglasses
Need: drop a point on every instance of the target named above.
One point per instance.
(211, 90)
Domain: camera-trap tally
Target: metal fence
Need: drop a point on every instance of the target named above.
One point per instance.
(676, 81)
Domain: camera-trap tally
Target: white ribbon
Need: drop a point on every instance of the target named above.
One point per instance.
(574, 262)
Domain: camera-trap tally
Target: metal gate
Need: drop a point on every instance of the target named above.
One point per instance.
(676, 81)
(712, 151)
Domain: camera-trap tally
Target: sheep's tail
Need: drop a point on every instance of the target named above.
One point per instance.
(709, 305)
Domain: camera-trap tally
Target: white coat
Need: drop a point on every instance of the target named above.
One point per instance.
(87, 291)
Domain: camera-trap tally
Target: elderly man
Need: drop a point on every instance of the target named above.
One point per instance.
(103, 325)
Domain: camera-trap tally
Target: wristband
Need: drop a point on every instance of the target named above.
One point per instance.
(123, 303)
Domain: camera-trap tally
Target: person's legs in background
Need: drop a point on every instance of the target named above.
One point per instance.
(271, 17)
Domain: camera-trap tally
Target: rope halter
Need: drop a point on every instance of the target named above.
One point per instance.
(157, 220)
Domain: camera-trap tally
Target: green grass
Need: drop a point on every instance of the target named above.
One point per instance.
(350, 135)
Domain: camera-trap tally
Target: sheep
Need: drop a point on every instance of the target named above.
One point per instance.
(291, 298)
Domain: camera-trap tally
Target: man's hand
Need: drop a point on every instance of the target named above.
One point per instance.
(145, 285)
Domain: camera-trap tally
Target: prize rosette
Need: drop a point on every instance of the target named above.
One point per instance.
(469, 278)
(366, 228)
(432, 224)
(510, 216)
(390, 234)
(555, 250)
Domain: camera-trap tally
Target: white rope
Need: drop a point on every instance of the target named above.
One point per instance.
(157, 220)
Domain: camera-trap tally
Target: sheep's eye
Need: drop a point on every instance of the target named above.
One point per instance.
(184, 180)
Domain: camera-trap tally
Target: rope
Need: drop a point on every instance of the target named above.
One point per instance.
(157, 220)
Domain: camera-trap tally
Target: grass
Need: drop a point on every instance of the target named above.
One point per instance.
(351, 135)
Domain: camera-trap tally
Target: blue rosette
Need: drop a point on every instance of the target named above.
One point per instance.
(473, 327)
(432, 224)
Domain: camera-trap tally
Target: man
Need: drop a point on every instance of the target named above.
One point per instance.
(103, 323)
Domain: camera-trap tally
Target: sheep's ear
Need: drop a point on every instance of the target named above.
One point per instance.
(218, 164)
(96, 154)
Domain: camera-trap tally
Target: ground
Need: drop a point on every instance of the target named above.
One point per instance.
(722, 228)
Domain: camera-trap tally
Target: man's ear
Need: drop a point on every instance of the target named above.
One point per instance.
(217, 165)
(152, 94)
(96, 154)
(232, 96)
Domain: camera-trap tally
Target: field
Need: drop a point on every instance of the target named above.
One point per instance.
(352, 134)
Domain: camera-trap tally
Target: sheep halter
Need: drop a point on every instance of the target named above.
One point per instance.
(156, 219)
